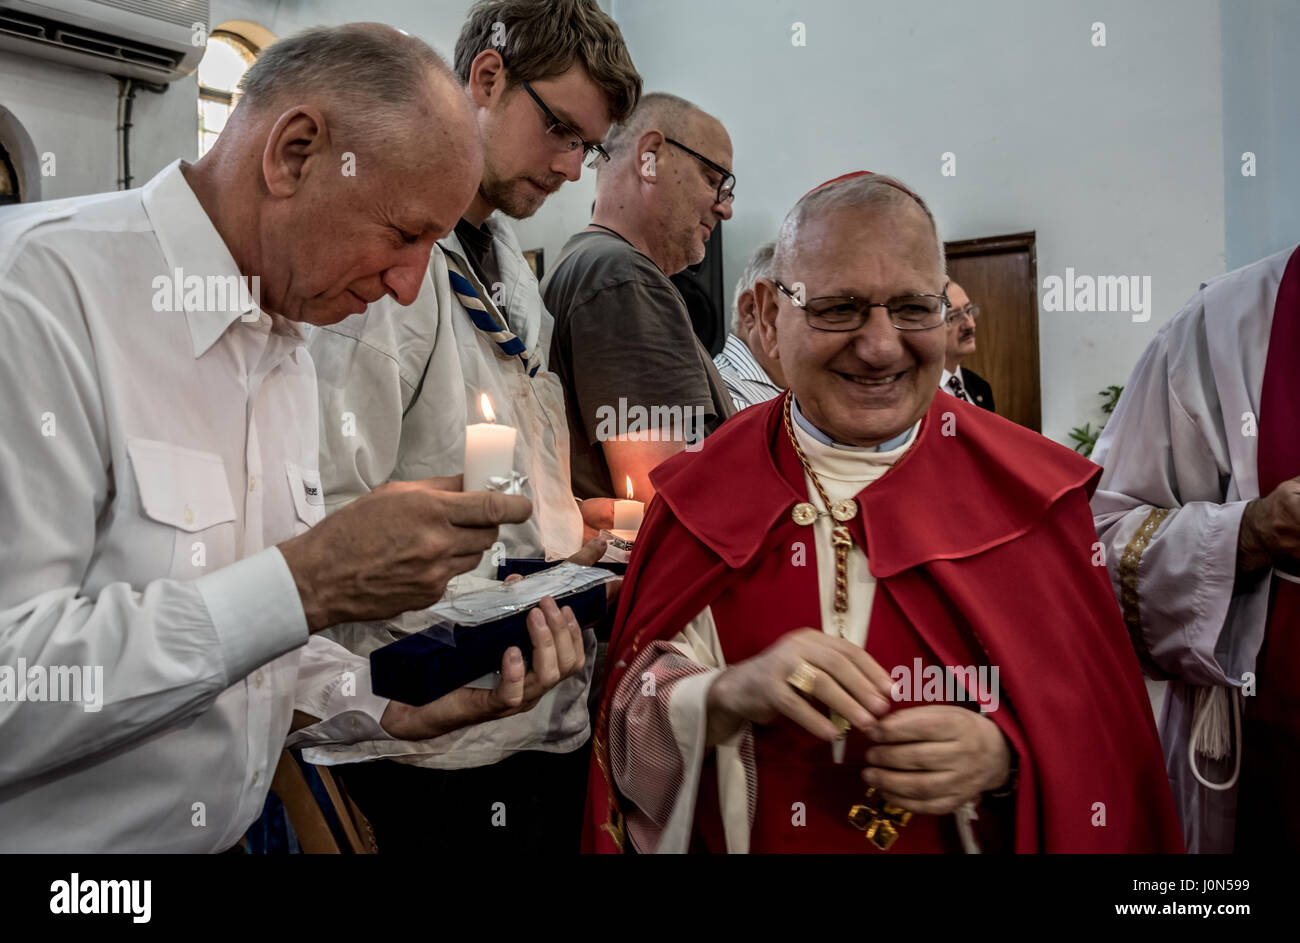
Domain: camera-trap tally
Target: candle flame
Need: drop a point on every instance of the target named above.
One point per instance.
(485, 407)
(629, 487)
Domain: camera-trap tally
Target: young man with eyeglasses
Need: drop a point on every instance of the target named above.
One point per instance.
(399, 385)
(963, 383)
(638, 383)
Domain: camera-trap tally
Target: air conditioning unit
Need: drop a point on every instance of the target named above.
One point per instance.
(152, 40)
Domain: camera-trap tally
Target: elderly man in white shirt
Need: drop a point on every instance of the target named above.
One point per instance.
(398, 385)
(751, 376)
(159, 452)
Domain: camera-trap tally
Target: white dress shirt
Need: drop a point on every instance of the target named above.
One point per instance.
(745, 378)
(397, 387)
(948, 375)
(150, 460)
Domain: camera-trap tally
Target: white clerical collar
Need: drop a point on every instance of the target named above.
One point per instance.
(897, 442)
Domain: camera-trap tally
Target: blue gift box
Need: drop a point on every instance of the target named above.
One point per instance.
(426, 665)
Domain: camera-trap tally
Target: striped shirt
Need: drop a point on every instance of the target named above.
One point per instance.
(746, 380)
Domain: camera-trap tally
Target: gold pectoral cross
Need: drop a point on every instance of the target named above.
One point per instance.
(880, 819)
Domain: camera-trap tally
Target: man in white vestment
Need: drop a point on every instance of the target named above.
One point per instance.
(1199, 512)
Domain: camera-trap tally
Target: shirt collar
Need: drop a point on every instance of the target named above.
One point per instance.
(192, 246)
(896, 442)
(743, 361)
(943, 380)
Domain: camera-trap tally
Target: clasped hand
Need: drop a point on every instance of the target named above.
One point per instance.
(929, 759)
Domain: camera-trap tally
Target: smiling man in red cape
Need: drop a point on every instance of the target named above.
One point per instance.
(867, 616)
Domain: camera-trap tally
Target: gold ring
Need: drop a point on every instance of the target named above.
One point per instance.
(803, 677)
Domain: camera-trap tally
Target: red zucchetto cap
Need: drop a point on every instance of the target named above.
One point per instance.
(860, 173)
(856, 173)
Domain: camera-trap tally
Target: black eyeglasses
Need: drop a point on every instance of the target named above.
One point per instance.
(567, 139)
(837, 313)
(727, 188)
(971, 310)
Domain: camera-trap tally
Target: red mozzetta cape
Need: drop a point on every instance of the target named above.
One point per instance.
(986, 529)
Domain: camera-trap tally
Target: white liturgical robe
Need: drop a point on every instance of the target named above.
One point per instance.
(1180, 457)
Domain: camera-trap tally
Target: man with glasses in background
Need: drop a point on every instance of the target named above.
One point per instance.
(639, 385)
(398, 387)
(964, 384)
(771, 692)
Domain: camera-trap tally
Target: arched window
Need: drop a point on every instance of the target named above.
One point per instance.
(20, 165)
(10, 188)
(228, 56)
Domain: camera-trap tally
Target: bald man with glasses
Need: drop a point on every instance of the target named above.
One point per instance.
(639, 385)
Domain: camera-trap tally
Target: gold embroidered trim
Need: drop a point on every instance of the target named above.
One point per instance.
(614, 824)
(1128, 584)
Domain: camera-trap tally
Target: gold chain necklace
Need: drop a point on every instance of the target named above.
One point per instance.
(805, 513)
(878, 818)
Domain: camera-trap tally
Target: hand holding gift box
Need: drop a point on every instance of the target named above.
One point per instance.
(459, 640)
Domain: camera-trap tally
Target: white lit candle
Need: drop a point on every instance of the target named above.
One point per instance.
(628, 514)
(489, 449)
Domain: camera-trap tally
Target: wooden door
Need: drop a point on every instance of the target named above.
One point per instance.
(1000, 273)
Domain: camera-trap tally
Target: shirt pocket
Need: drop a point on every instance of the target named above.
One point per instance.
(186, 490)
(308, 496)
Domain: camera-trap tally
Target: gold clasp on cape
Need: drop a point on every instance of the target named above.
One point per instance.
(880, 819)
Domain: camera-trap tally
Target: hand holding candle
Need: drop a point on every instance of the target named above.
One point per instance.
(489, 450)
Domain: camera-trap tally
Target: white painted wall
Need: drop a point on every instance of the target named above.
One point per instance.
(73, 113)
(1113, 155)
(1261, 115)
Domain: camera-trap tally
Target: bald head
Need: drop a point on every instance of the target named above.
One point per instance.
(861, 374)
(370, 81)
(881, 201)
(661, 187)
(659, 111)
(352, 150)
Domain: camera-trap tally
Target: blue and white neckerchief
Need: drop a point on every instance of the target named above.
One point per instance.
(506, 339)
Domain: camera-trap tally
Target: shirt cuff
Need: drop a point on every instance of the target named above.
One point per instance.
(349, 709)
(255, 609)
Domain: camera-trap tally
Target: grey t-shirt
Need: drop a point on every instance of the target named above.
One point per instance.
(624, 349)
